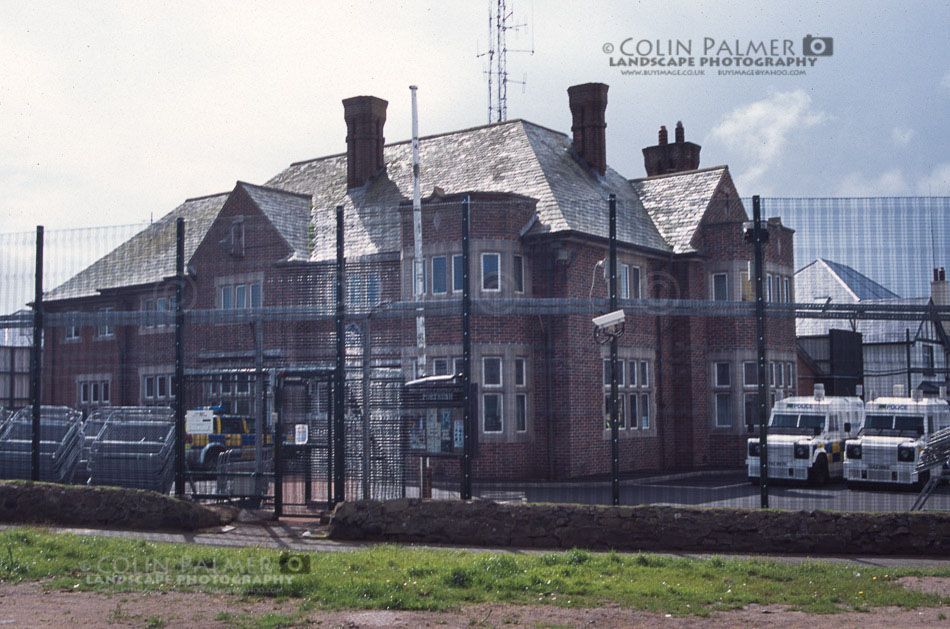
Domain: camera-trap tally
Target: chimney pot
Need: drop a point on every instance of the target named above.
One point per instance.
(365, 117)
(667, 158)
(588, 104)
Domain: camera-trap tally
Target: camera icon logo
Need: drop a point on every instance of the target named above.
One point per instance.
(294, 564)
(818, 46)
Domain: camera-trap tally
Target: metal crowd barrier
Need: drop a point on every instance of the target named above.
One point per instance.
(60, 443)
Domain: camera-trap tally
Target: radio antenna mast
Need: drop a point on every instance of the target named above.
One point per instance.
(500, 21)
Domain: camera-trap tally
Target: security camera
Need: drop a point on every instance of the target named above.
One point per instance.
(610, 321)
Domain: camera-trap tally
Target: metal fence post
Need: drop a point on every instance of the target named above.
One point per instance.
(339, 455)
(278, 444)
(466, 481)
(180, 357)
(760, 336)
(614, 394)
(36, 356)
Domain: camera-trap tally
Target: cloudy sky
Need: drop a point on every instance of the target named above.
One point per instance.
(112, 113)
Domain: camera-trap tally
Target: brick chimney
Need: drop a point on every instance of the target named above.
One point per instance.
(671, 158)
(365, 117)
(939, 289)
(588, 103)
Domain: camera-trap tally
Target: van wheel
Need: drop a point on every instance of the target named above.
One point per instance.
(818, 473)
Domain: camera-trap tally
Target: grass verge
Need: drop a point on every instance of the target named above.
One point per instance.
(391, 577)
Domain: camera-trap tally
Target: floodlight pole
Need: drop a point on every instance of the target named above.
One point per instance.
(757, 239)
(614, 394)
(36, 383)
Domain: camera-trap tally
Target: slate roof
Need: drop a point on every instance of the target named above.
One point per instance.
(516, 157)
(677, 202)
(147, 257)
(288, 212)
(823, 278)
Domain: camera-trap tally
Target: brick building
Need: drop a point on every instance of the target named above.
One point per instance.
(539, 226)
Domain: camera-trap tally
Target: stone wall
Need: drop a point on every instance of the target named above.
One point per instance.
(103, 507)
(480, 523)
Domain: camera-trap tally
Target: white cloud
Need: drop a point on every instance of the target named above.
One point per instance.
(889, 183)
(902, 135)
(937, 183)
(759, 131)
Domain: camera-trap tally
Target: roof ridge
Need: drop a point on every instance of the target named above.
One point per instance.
(207, 196)
(680, 173)
(439, 135)
(273, 189)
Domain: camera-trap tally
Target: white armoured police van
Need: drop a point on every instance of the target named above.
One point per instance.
(895, 433)
(806, 437)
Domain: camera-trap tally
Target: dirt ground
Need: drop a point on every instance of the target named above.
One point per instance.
(28, 605)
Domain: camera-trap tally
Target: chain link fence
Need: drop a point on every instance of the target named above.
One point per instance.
(242, 360)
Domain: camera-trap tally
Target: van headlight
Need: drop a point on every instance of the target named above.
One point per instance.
(905, 453)
(801, 450)
(853, 451)
(755, 448)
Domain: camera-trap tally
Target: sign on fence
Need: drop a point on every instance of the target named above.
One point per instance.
(199, 422)
(434, 409)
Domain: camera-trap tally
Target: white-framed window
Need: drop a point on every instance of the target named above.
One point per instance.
(458, 364)
(517, 273)
(362, 289)
(521, 412)
(521, 378)
(645, 411)
(789, 382)
(644, 373)
(768, 288)
(440, 367)
(780, 374)
(150, 387)
(723, 375)
(95, 390)
(242, 296)
(771, 374)
(750, 374)
(493, 420)
(788, 290)
(927, 354)
(723, 410)
(720, 286)
(491, 269)
(633, 373)
(457, 273)
(634, 411)
(72, 331)
(105, 330)
(624, 282)
(636, 290)
(491, 371)
(439, 275)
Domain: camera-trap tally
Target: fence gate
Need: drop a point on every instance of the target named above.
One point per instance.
(303, 401)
